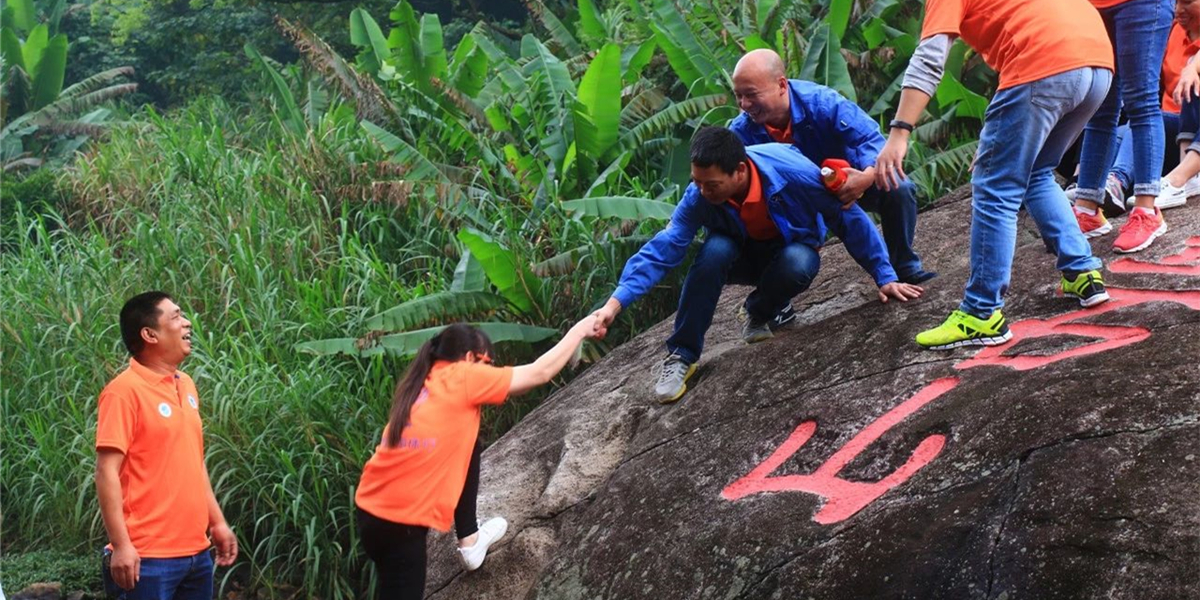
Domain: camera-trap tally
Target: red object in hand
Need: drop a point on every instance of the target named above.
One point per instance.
(833, 173)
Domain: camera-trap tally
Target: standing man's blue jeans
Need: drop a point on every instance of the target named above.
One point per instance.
(1138, 30)
(898, 217)
(780, 270)
(1026, 131)
(1123, 165)
(185, 578)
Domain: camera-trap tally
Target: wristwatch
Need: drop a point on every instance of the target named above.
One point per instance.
(898, 124)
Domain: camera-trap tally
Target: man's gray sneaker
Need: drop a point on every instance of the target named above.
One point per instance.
(756, 330)
(783, 317)
(672, 381)
(786, 315)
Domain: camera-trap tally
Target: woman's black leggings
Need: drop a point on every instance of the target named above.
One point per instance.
(398, 550)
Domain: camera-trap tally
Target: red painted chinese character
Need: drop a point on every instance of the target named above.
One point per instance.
(843, 497)
(1110, 336)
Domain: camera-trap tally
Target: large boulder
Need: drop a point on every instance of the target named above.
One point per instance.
(841, 461)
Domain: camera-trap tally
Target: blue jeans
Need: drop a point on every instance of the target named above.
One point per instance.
(1026, 131)
(898, 217)
(1189, 125)
(1123, 165)
(185, 578)
(780, 270)
(1138, 30)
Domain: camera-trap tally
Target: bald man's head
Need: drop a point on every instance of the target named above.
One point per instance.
(761, 88)
(760, 63)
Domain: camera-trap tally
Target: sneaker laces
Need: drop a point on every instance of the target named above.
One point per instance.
(1141, 221)
(673, 367)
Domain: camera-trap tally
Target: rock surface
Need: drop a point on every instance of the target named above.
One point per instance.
(1076, 478)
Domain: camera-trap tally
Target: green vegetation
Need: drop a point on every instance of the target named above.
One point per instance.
(403, 174)
(76, 572)
(40, 122)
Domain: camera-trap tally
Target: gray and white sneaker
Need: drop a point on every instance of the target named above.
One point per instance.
(1114, 191)
(756, 330)
(786, 315)
(492, 530)
(1070, 191)
(672, 380)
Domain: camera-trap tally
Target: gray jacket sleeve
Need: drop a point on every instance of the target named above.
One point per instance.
(928, 63)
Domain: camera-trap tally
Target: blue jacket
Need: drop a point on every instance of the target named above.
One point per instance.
(798, 204)
(824, 125)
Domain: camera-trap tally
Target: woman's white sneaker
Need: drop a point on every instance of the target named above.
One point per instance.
(489, 532)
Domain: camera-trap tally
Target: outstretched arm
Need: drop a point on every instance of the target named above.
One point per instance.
(665, 251)
(542, 370)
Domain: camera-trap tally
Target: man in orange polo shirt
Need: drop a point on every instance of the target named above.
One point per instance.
(155, 496)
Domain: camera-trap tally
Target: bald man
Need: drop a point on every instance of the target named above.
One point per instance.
(822, 124)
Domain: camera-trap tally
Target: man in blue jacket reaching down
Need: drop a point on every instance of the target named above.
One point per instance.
(764, 209)
(822, 125)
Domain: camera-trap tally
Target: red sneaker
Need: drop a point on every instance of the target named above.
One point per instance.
(1141, 229)
(1093, 225)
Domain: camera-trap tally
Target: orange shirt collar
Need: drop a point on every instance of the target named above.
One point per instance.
(148, 374)
(783, 136)
(754, 192)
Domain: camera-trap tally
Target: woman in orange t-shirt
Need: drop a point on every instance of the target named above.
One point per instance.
(425, 471)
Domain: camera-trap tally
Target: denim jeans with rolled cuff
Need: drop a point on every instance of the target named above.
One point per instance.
(1123, 165)
(1138, 30)
(1026, 131)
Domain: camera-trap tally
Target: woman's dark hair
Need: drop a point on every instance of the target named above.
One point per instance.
(452, 344)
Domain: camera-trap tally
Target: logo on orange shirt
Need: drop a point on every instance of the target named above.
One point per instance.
(192, 402)
(164, 409)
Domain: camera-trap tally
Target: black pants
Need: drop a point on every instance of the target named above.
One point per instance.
(398, 550)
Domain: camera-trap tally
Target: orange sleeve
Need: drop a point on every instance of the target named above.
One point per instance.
(487, 384)
(943, 16)
(116, 421)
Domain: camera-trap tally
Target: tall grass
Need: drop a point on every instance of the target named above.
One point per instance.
(245, 226)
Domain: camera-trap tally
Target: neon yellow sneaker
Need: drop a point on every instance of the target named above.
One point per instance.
(1087, 286)
(962, 329)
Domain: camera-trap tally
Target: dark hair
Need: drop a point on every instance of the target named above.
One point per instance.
(140, 311)
(452, 344)
(718, 146)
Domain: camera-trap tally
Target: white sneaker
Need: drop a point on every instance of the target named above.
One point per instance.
(489, 532)
(1170, 196)
(1192, 186)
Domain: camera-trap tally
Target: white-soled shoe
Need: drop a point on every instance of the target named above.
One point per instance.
(1170, 196)
(489, 532)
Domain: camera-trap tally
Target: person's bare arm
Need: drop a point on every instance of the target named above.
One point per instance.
(925, 70)
(542, 370)
(889, 168)
(125, 564)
